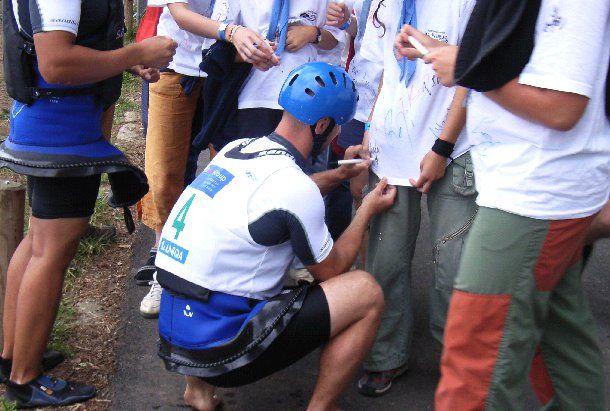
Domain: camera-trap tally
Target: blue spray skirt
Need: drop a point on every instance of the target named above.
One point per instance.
(253, 337)
(128, 182)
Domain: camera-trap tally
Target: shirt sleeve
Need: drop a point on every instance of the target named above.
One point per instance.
(53, 15)
(294, 213)
(309, 235)
(568, 46)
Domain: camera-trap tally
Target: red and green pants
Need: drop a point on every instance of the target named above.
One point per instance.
(518, 309)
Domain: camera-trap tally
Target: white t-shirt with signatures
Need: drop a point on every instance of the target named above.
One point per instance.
(528, 169)
(407, 120)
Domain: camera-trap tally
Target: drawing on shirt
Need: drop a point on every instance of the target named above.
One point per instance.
(555, 22)
(484, 139)
(437, 128)
(309, 15)
(438, 35)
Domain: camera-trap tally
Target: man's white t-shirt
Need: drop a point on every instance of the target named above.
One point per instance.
(262, 88)
(407, 120)
(188, 54)
(366, 72)
(239, 225)
(528, 169)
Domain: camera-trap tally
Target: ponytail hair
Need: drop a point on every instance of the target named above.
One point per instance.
(376, 22)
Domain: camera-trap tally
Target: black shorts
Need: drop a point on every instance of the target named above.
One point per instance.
(64, 197)
(307, 330)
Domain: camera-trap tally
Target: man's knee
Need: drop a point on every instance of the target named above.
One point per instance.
(368, 290)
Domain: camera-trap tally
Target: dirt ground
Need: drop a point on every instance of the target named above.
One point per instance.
(97, 294)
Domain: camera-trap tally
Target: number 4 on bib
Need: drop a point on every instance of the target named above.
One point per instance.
(179, 223)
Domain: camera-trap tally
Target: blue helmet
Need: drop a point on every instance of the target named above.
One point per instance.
(317, 90)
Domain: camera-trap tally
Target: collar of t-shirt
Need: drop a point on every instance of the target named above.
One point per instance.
(298, 157)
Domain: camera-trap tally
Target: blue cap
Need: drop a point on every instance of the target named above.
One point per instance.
(317, 90)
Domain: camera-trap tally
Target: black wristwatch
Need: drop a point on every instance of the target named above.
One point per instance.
(318, 36)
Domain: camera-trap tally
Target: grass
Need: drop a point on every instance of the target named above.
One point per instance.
(7, 405)
(61, 329)
(127, 102)
(5, 114)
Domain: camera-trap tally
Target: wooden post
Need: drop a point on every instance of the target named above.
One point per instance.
(128, 8)
(12, 204)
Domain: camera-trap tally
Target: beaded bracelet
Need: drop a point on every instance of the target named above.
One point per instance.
(232, 33)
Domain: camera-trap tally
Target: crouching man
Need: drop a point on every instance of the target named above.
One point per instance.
(224, 320)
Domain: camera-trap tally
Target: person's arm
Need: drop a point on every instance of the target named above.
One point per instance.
(60, 61)
(346, 248)
(365, 139)
(328, 180)
(299, 36)
(433, 165)
(337, 15)
(554, 109)
(251, 46)
(193, 22)
(358, 182)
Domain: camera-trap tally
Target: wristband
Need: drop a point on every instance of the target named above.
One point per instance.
(443, 148)
(222, 31)
(367, 126)
(347, 23)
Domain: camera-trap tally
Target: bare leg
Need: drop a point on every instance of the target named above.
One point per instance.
(16, 268)
(600, 227)
(53, 245)
(200, 395)
(356, 304)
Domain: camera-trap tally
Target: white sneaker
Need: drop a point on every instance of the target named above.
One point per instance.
(149, 307)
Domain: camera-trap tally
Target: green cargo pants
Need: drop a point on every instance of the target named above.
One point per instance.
(392, 237)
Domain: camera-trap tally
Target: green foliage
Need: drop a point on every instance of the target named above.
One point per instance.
(5, 114)
(61, 329)
(129, 96)
(7, 405)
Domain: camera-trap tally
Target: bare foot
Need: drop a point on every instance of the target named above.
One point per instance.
(312, 407)
(199, 395)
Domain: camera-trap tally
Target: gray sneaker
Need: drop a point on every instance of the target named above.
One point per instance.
(377, 383)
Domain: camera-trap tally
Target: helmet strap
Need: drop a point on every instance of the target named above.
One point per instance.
(320, 139)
